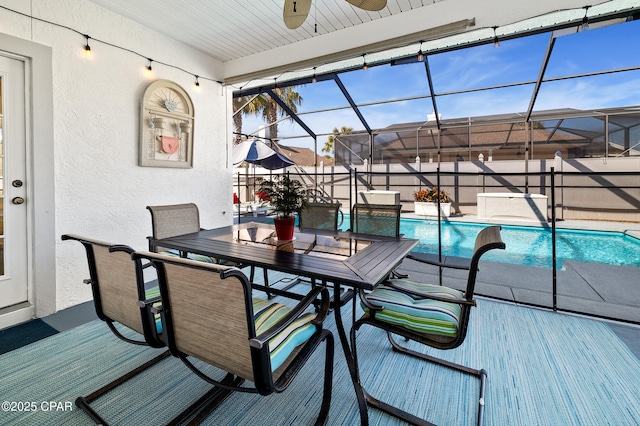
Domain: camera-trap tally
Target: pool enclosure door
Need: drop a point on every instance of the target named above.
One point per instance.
(13, 185)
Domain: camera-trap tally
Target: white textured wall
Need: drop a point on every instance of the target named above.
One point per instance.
(100, 191)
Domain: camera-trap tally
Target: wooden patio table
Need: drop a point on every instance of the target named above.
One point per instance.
(358, 261)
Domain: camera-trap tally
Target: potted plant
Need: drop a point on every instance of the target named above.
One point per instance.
(426, 202)
(287, 197)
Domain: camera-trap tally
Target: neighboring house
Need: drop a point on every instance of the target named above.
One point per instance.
(305, 156)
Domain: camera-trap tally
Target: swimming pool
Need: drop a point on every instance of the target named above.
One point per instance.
(526, 245)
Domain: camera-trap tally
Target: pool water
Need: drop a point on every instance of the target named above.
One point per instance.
(526, 245)
(530, 246)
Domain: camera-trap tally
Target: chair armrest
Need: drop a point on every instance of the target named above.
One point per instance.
(367, 304)
(341, 218)
(433, 297)
(259, 341)
(426, 258)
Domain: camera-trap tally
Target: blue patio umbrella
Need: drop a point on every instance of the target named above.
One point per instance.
(259, 153)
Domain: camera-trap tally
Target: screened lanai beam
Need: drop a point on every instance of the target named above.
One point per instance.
(433, 98)
(555, 129)
(353, 105)
(543, 69)
(245, 105)
(290, 112)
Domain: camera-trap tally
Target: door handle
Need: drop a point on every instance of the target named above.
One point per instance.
(17, 200)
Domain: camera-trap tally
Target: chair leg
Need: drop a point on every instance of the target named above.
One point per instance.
(203, 406)
(397, 412)
(207, 403)
(265, 278)
(289, 282)
(84, 402)
(328, 381)
(429, 358)
(481, 374)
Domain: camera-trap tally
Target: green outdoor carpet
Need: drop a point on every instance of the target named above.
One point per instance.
(544, 369)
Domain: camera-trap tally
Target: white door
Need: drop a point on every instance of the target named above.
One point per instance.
(13, 184)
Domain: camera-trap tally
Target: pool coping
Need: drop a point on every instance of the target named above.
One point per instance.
(629, 228)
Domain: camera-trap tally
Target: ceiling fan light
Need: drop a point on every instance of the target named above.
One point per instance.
(295, 12)
(370, 5)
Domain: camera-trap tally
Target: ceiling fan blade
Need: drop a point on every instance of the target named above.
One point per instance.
(295, 12)
(371, 5)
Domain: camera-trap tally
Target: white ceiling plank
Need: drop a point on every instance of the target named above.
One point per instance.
(249, 36)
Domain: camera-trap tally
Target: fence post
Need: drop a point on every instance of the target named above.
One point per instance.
(440, 268)
(353, 186)
(553, 239)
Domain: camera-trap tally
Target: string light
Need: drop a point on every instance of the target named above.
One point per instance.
(585, 19)
(149, 69)
(314, 79)
(364, 59)
(87, 48)
(197, 82)
(420, 54)
(496, 42)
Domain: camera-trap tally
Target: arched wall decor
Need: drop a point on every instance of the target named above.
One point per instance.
(166, 126)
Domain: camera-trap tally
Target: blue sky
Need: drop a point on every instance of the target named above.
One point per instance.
(518, 60)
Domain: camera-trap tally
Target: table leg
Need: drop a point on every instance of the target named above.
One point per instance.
(348, 354)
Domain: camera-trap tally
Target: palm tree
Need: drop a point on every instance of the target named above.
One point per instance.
(291, 98)
(329, 144)
(265, 106)
(253, 106)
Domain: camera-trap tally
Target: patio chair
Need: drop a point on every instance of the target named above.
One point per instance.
(120, 296)
(376, 219)
(433, 315)
(209, 314)
(178, 219)
(325, 216)
(321, 216)
(172, 220)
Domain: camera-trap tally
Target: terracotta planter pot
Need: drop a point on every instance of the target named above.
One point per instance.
(284, 227)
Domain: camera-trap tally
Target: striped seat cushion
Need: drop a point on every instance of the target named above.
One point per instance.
(417, 313)
(192, 256)
(150, 293)
(266, 314)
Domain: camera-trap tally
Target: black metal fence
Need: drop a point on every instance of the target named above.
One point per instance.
(604, 200)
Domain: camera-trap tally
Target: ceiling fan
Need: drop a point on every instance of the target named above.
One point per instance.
(296, 11)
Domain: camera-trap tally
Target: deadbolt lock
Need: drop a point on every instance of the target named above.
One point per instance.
(17, 200)
(17, 183)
